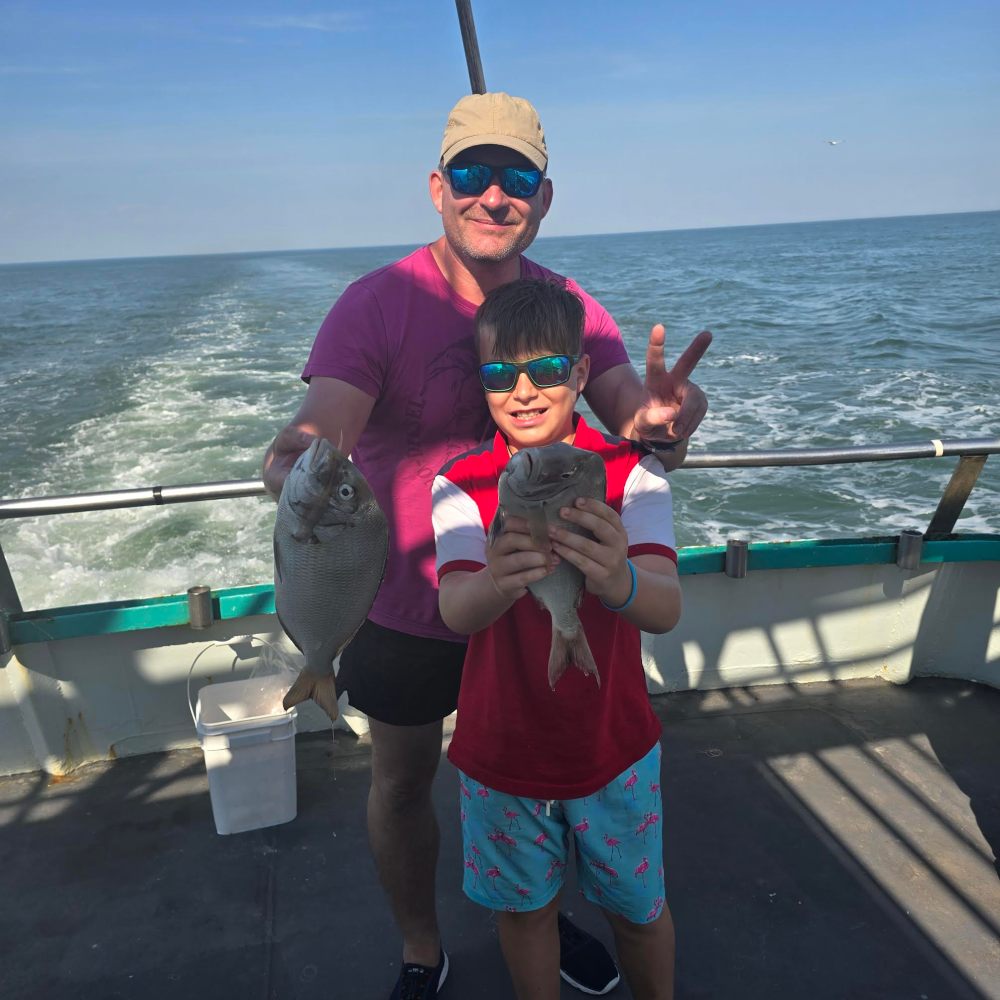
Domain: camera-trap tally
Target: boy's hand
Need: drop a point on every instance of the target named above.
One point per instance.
(602, 559)
(513, 561)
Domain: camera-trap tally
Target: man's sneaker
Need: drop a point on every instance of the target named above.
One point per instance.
(584, 962)
(420, 982)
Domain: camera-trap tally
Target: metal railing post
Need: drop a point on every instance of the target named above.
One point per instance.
(908, 549)
(962, 481)
(10, 603)
(200, 612)
(5, 644)
(737, 556)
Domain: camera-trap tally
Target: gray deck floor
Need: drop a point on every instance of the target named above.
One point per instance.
(822, 841)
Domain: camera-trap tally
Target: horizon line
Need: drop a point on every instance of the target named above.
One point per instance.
(377, 246)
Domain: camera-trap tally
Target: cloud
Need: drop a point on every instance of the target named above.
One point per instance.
(334, 22)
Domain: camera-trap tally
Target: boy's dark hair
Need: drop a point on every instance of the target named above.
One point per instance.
(532, 317)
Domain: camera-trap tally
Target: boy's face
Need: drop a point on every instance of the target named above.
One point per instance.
(528, 416)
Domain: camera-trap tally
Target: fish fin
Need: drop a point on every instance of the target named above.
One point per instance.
(278, 575)
(322, 690)
(287, 630)
(567, 649)
(349, 639)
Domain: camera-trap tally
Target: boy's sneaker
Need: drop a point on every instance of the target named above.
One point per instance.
(584, 962)
(420, 982)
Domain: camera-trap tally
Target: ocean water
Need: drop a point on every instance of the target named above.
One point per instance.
(161, 371)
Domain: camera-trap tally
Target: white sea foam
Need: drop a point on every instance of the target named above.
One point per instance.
(160, 373)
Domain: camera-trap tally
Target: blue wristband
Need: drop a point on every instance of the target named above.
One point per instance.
(631, 593)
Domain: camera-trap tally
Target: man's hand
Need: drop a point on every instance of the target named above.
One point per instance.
(673, 406)
(332, 409)
(282, 455)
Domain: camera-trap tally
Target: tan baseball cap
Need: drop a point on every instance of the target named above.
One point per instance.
(494, 120)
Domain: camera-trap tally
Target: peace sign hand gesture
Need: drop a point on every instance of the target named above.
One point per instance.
(674, 405)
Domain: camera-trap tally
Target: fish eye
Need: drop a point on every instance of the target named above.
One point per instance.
(346, 491)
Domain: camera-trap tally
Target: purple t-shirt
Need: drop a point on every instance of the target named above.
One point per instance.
(403, 336)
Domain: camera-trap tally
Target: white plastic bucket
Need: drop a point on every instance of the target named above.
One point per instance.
(248, 740)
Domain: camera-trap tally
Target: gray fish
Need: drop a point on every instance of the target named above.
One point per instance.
(535, 485)
(330, 545)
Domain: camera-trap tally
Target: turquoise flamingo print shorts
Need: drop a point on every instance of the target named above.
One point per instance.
(516, 849)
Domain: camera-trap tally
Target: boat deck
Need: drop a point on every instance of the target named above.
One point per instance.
(822, 841)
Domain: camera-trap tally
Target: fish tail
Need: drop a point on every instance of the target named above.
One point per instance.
(582, 657)
(567, 649)
(322, 690)
(558, 657)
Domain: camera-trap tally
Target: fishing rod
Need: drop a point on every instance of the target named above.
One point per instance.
(476, 79)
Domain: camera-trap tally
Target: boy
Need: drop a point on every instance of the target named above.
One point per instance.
(538, 764)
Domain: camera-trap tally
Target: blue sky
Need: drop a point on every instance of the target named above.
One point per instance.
(149, 128)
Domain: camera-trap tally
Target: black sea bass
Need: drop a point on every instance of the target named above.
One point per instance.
(535, 485)
(330, 545)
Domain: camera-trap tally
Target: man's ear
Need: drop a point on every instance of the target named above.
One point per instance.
(546, 196)
(582, 372)
(436, 183)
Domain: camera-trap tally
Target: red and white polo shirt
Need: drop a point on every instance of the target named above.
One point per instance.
(513, 732)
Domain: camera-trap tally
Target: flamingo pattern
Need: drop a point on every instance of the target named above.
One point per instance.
(511, 815)
(640, 870)
(630, 783)
(614, 835)
(493, 874)
(470, 864)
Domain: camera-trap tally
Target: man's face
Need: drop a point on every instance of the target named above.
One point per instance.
(491, 226)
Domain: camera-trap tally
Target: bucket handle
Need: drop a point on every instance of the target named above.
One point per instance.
(210, 645)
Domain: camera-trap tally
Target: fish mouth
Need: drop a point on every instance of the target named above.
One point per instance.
(319, 454)
(533, 479)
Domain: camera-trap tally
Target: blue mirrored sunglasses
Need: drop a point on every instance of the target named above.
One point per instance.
(546, 372)
(472, 179)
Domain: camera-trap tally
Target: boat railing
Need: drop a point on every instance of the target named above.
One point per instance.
(971, 453)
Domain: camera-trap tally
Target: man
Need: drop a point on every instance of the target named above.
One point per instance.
(393, 380)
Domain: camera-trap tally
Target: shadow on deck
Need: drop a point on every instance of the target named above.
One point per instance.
(822, 841)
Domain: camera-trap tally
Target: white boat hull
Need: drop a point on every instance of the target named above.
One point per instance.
(73, 700)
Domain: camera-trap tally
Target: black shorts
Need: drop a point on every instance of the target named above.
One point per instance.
(400, 679)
